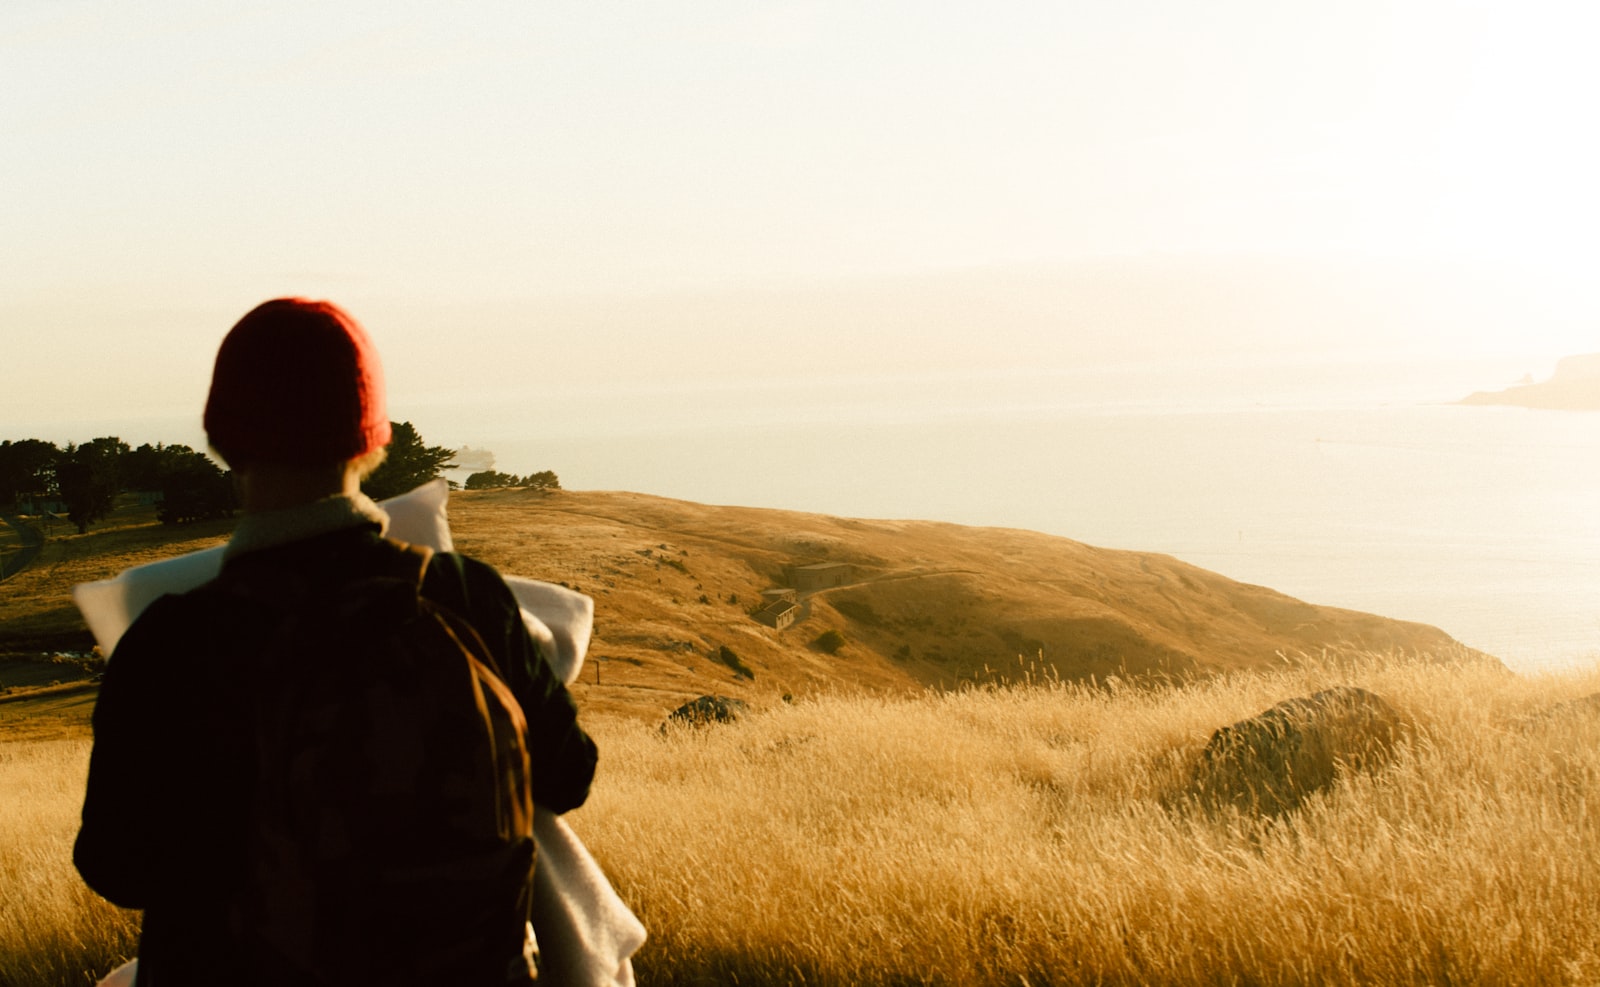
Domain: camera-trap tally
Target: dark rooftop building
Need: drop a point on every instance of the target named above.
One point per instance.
(822, 575)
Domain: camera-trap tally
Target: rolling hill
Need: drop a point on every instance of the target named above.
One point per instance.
(921, 603)
(1575, 386)
(884, 606)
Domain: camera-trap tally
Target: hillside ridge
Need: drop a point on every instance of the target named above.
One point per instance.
(924, 603)
(1575, 386)
(880, 606)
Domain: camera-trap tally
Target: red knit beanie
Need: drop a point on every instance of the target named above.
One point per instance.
(297, 382)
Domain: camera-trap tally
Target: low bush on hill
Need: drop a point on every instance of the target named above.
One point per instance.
(726, 656)
(829, 642)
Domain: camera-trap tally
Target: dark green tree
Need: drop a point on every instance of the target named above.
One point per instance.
(193, 488)
(409, 464)
(87, 479)
(26, 467)
(143, 468)
(542, 480)
(489, 480)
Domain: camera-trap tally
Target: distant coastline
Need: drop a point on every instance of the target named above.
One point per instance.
(1575, 386)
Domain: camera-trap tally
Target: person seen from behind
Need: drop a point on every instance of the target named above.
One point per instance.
(318, 768)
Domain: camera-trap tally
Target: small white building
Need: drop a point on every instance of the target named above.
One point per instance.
(779, 613)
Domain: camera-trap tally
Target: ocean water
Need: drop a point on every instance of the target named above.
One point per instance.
(1482, 521)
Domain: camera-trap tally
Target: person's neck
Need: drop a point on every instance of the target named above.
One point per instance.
(274, 488)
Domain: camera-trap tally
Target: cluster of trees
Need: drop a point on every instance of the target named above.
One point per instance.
(26, 467)
(409, 464)
(489, 479)
(86, 478)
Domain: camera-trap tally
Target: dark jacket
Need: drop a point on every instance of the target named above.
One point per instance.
(171, 775)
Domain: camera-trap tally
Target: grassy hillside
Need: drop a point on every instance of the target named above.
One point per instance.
(925, 604)
(928, 604)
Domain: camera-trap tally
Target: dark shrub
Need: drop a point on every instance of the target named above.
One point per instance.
(727, 657)
(829, 642)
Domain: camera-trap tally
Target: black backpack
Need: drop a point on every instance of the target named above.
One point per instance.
(390, 838)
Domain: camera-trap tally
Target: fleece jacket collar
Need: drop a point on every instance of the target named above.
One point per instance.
(269, 529)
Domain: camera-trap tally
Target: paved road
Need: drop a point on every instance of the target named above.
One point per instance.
(32, 542)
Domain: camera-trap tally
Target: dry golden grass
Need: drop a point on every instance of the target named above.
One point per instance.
(53, 929)
(49, 713)
(10, 540)
(1030, 834)
(1019, 836)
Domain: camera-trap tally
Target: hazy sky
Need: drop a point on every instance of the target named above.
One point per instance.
(580, 194)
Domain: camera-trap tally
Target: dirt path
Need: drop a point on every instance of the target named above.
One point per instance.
(32, 541)
(892, 577)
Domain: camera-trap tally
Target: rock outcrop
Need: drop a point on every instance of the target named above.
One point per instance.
(1575, 386)
(709, 709)
(1271, 762)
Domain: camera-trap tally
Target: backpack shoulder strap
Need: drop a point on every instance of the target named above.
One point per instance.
(403, 560)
